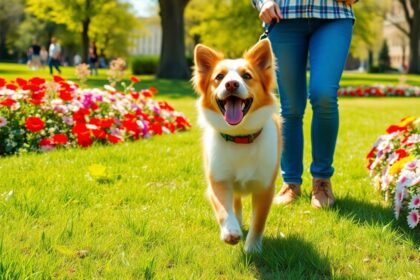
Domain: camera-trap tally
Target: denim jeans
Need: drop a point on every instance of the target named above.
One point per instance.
(326, 42)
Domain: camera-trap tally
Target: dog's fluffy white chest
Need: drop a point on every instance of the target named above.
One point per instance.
(247, 167)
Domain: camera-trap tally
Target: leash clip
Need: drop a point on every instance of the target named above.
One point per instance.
(267, 30)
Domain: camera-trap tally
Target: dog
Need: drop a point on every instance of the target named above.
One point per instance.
(241, 136)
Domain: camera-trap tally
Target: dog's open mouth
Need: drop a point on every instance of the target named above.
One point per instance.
(234, 108)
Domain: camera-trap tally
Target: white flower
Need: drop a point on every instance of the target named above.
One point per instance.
(397, 209)
(3, 121)
(91, 126)
(415, 202)
(109, 88)
(413, 218)
(413, 139)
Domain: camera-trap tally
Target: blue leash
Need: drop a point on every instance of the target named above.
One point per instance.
(267, 30)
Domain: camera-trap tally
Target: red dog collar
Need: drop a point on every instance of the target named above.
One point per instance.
(241, 139)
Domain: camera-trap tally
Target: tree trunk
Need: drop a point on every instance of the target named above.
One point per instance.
(415, 43)
(173, 64)
(85, 39)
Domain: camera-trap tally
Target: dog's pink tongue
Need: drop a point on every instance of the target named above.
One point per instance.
(233, 111)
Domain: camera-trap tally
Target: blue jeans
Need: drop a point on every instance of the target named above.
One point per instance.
(327, 42)
(54, 63)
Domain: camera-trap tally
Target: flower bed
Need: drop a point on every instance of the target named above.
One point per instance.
(394, 165)
(37, 115)
(380, 90)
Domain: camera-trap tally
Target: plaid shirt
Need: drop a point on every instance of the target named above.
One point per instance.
(328, 9)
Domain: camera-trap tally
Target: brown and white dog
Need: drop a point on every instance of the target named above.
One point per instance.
(242, 138)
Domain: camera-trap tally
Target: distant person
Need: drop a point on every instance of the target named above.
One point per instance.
(77, 59)
(44, 56)
(93, 59)
(29, 56)
(102, 62)
(54, 55)
(36, 58)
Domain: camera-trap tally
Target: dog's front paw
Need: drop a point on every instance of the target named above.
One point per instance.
(253, 244)
(231, 232)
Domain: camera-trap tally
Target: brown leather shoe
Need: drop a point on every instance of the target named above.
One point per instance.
(287, 194)
(322, 195)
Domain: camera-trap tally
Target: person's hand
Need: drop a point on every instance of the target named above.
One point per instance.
(270, 11)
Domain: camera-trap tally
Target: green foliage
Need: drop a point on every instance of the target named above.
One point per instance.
(228, 26)
(368, 26)
(11, 13)
(141, 65)
(384, 58)
(111, 22)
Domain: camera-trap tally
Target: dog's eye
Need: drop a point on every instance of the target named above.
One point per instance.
(219, 77)
(246, 76)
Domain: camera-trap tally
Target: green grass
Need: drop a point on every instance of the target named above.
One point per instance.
(150, 219)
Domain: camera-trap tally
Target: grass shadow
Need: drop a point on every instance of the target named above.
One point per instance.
(364, 213)
(289, 258)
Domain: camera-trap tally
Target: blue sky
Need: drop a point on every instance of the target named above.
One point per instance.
(144, 8)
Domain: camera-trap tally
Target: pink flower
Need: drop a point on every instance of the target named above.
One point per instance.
(415, 202)
(413, 218)
(3, 122)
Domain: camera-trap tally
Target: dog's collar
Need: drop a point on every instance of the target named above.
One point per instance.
(241, 139)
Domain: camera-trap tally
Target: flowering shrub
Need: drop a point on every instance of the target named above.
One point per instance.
(36, 115)
(116, 70)
(380, 90)
(82, 72)
(394, 165)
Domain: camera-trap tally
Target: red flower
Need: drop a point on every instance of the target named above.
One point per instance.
(21, 82)
(80, 128)
(135, 95)
(131, 125)
(135, 79)
(7, 102)
(45, 142)
(99, 133)
(114, 139)
(84, 140)
(2, 82)
(394, 128)
(12, 86)
(153, 90)
(37, 81)
(371, 153)
(157, 129)
(401, 153)
(34, 124)
(146, 93)
(65, 95)
(58, 79)
(107, 123)
(60, 139)
(80, 115)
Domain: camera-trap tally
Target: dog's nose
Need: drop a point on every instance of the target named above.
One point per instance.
(231, 86)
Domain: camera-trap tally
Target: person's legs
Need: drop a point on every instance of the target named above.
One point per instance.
(50, 64)
(289, 40)
(328, 50)
(57, 65)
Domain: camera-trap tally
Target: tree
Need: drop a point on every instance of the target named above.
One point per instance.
(229, 26)
(384, 58)
(11, 13)
(412, 16)
(173, 64)
(77, 15)
(113, 29)
(368, 28)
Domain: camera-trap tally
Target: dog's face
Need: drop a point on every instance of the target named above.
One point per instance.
(233, 89)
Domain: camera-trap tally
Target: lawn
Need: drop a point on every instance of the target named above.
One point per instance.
(150, 219)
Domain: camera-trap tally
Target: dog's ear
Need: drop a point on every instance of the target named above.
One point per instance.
(205, 59)
(260, 55)
(261, 58)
